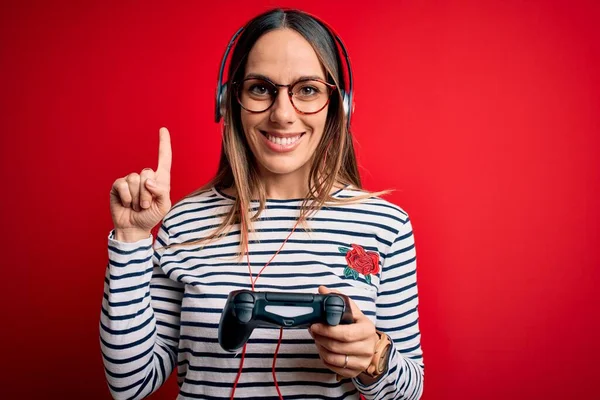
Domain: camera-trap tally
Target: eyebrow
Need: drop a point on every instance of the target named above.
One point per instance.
(266, 78)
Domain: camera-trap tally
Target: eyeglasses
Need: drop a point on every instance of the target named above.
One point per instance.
(308, 96)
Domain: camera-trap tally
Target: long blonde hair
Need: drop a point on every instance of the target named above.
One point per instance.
(238, 166)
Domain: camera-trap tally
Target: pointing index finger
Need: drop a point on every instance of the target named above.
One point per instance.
(164, 150)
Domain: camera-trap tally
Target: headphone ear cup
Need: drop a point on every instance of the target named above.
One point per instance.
(346, 104)
(223, 100)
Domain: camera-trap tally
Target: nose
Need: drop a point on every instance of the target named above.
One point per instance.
(282, 111)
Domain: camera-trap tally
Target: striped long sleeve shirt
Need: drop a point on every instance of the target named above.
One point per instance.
(162, 302)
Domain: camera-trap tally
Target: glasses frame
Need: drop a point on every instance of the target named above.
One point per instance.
(237, 86)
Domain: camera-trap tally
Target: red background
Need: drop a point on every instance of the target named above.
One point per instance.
(483, 115)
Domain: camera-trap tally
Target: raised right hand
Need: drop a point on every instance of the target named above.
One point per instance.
(140, 201)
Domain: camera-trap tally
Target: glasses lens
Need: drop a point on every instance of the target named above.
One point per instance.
(310, 96)
(256, 95)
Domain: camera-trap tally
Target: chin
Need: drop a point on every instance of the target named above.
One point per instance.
(281, 167)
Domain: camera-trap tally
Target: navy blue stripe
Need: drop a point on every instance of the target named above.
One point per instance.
(312, 384)
(127, 289)
(124, 316)
(401, 327)
(265, 275)
(129, 275)
(127, 374)
(399, 303)
(201, 310)
(410, 349)
(125, 303)
(130, 359)
(162, 366)
(167, 338)
(399, 290)
(178, 290)
(396, 316)
(129, 252)
(263, 253)
(407, 338)
(126, 388)
(194, 221)
(336, 209)
(143, 385)
(236, 244)
(403, 237)
(128, 345)
(224, 296)
(205, 296)
(154, 382)
(253, 265)
(126, 331)
(129, 262)
(198, 219)
(287, 230)
(212, 204)
(287, 397)
(403, 250)
(378, 202)
(256, 266)
(198, 324)
(167, 312)
(166, 300)
(203, 339)
(250, 370)
(259, 287)
(400, 277)
(208, 355)
(167, 325)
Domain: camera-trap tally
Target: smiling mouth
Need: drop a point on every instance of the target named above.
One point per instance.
(282, 141)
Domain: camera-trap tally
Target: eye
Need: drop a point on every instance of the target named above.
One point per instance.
(309, 90)
(258, 89)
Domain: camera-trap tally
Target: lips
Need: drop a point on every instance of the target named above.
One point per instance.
(282, 142)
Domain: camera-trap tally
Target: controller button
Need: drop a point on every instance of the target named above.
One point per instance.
(334, 301)
(244, 297)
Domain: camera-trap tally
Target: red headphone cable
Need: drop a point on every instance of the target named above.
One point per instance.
(252, 282)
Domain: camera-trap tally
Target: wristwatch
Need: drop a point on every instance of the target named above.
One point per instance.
(380, 357)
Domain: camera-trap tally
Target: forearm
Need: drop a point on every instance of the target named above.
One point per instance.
(398, 317)
(403, 380)
(135, 359)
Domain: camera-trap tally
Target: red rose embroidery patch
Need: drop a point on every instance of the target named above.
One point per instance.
(360, 262)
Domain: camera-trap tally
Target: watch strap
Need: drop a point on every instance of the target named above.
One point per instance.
(380, 357)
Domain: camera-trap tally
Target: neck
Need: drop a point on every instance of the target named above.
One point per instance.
(285, 187)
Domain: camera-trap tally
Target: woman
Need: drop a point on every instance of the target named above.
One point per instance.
(285, 212)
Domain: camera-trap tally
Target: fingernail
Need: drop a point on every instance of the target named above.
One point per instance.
(151, 182)
(145, 204)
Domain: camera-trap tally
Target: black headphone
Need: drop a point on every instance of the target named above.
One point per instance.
(347, 95)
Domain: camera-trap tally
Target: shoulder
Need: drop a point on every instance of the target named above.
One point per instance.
(197, 204)
(369, 202)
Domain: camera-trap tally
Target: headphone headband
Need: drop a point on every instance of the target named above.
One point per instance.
(347, 95)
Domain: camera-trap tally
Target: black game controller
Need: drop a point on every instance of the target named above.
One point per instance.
(246, 310)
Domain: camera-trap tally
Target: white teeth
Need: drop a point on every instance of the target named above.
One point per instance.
(283, 141)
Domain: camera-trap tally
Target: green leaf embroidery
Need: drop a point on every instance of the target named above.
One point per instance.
(368, 278)
(347, 272)
(343, 249)
(354, 274)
